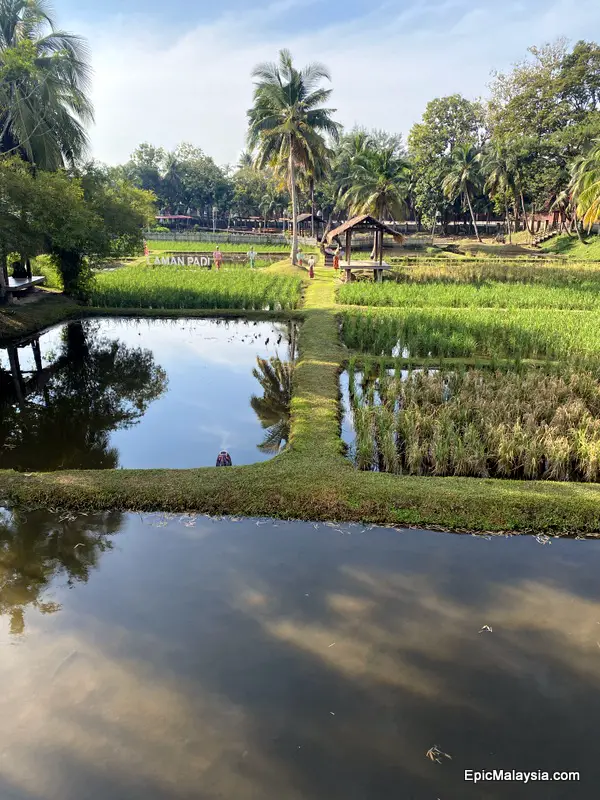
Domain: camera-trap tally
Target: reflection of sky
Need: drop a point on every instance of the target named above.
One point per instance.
(206, 407)
(296, 660)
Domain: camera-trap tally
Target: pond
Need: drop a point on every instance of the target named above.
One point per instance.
(185, 657)
(136, 393)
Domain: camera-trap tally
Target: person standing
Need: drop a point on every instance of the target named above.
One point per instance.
(217, 257)
(251, 257)
(311, 266)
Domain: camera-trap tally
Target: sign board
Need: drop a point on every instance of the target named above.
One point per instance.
(179, 260)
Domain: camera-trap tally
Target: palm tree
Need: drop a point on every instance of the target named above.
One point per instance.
(245, 160)
(464, 177)
(378, 183)
(585, 186)
(379, 179)
(44, 77)
(273, 408)
(500, 181)
(287, 123)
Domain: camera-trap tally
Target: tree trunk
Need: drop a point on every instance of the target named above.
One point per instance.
(508, 223)
(472, 216)
(294, 254)
(525, 217)
(312, 207)
(5, 297)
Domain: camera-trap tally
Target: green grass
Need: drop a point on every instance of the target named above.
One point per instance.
(142, 286)
(571, 247)
(471, 333)
(312, 479)
(21, 320)
(490, 295)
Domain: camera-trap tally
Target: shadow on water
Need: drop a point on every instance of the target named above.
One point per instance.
(88, 396)
(253, 659)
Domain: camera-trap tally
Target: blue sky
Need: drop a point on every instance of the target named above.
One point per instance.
(167, 72)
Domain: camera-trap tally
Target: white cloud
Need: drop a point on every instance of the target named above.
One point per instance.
(195, 85)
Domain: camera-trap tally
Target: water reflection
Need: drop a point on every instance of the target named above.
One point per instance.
(273, 408)
(143, 393)
(258, 659)
(37, 549)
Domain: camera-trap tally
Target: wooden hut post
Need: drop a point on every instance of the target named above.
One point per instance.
(348, 245)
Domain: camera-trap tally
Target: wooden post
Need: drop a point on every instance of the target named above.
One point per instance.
(380, 249)
(348, 245)
(15, 368)
(37, 356)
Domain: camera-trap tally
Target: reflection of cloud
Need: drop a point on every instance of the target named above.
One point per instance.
(235, 344)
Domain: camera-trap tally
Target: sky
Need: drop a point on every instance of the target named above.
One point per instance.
(180, 70)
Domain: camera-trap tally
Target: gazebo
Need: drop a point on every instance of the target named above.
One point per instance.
(364, 223)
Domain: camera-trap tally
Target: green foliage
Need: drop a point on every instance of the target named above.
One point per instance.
(476, 333)
(44, 78)
(141, 286)
(546, 111)
(482, 295)
(373, 176)
(448, 122)
(288, 123)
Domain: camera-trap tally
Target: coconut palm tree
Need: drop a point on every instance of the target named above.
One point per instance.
(288, 123)
(500, 182)
(44, 77)
(273, 408)
(378, 182)
(585, 186)
(464, 177)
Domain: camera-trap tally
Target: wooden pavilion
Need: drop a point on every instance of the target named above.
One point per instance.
(364, 223)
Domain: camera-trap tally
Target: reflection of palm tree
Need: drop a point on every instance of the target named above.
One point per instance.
(273, 409)
(38, 547)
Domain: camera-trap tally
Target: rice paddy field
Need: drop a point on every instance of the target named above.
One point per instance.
(496, 369)
(175, 287)
(476, 422)
(493, 334)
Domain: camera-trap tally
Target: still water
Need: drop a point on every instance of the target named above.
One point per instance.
(108, 393)
(154, 657)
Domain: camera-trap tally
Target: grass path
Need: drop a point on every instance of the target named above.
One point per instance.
(312, 479)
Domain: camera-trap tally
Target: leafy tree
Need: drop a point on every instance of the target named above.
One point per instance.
(44, 77)
(287, 123)
(546, 111)
(464, 178)
(448, 122)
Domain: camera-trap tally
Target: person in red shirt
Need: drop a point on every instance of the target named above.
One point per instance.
(217, 257)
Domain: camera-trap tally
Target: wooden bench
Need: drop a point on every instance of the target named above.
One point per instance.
(357, 266)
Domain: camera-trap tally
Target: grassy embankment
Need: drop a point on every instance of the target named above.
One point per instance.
(312, 479)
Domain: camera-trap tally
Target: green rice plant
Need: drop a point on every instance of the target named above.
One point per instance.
(386, 441)
(485, 295)
(489, 334)
(365, 443)
(172, 287)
